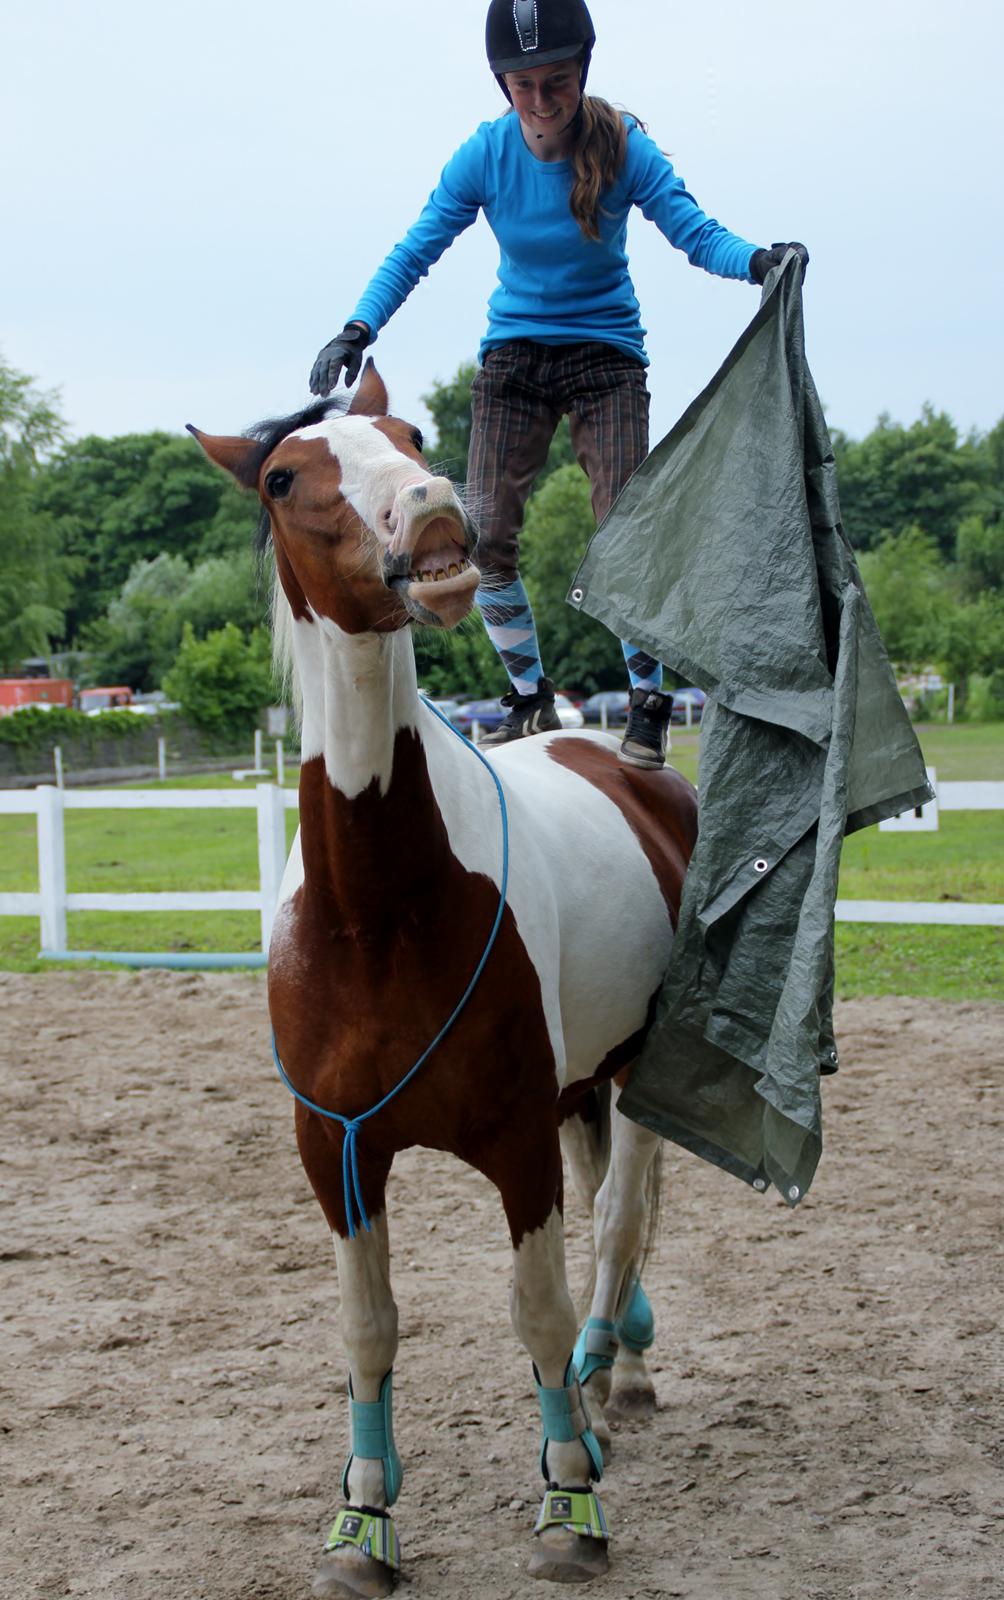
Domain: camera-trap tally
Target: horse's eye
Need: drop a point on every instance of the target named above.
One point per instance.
(278, 483)
(416, 439)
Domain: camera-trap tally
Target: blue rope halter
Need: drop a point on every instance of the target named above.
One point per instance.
(350, 1159)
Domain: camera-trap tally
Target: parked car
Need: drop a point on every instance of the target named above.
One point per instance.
(487, 713)
(105, 698)
(616, 702)
(447, 708)
(682, 698)
(569, 715)
(574, 696)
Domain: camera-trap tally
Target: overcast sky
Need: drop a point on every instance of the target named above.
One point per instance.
(195, 194)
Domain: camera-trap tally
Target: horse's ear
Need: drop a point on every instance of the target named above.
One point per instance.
(370, 399)
(240, 457)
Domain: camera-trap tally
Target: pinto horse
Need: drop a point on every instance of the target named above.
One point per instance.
(397, 883)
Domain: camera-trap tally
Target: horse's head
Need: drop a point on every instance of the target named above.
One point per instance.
(363, 533)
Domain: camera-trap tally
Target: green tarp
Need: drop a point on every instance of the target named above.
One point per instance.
(725, 558)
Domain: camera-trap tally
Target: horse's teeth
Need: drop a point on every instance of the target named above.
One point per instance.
(426, 575)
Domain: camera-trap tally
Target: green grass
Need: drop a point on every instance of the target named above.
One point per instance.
(204, 850)
(964, 751)
(944, 963)
(964, 860)
(138, 930)
(683, 753)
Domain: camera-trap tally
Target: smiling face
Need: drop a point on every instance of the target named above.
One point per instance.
(363, 533)
(546, 99)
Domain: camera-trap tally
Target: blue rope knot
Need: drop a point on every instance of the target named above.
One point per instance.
(350, 1168)
(352, 1126)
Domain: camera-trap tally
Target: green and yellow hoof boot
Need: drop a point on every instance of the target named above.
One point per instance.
(573, 1535)
(362, 1557)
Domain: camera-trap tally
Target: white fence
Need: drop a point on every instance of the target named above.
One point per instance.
(51, 902)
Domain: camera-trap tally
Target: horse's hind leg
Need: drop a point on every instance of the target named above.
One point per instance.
(585, 1144)
(623, 1206)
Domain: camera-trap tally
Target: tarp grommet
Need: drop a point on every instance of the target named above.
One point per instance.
(760, 865)
(578, 595)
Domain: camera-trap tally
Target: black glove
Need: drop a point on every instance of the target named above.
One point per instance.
(762, 261)
(345, 351)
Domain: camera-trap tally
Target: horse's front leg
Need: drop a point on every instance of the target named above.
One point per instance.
(362, 1557)
(571, 1530)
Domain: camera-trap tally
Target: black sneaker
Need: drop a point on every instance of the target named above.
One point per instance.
(644, 742)
(530, 713)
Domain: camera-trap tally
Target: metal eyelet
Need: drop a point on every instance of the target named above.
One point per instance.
(760, 865)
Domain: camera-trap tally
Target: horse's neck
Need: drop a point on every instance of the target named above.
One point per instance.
(367, 810)
(358, 689)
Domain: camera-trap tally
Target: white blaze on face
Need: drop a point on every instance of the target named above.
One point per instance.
(373, 469)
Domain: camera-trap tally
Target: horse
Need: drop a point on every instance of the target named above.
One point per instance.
(540, 888)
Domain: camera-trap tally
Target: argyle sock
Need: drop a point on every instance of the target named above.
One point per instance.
(644, 671)
(509, 623)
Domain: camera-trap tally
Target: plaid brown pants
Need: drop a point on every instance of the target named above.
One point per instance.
(519, 396)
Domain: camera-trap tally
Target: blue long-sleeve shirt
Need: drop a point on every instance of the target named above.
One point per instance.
(554, 285)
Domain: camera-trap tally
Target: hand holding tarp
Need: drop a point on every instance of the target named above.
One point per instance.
(762, 261)
(344, 351)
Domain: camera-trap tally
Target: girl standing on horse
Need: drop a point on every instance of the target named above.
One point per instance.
(556, 182)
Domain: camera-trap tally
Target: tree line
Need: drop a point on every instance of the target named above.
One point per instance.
(132, 557)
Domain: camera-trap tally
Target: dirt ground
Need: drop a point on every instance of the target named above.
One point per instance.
(172, 1390)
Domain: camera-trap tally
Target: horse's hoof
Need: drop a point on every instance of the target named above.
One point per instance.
(634, 1403)
(561, 1556)
(352, 1575)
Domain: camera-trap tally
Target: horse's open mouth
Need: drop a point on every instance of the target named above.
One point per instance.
(443, 596)
(437, 580)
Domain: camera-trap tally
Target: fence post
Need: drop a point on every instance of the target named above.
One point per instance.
(271, 852)
(604, 716)
(52, 867)
(280, 763)
(257, 750)
(162, 760)
(57, 761)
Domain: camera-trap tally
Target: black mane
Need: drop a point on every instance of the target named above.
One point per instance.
(270, 433)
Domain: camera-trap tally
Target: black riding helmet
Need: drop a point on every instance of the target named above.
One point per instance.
(533, 33)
